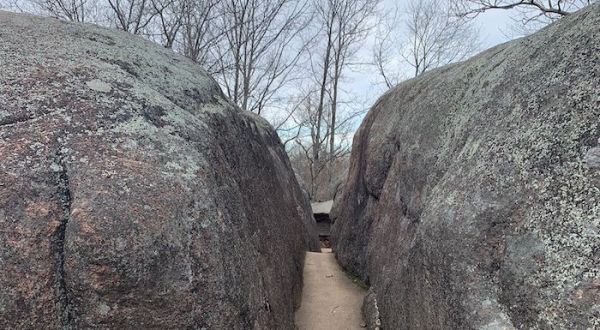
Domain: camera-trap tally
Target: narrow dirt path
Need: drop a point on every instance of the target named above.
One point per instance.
(330, 300)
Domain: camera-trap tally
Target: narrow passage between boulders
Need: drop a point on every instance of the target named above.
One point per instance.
(330, 300)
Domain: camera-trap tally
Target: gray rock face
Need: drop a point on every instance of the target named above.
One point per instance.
(473, 198)
(133, 194)
(370, 311)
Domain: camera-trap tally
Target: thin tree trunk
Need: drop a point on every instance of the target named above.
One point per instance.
(336, 78)
(326, 63)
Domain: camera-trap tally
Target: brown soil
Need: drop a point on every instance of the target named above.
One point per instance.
(330, 300)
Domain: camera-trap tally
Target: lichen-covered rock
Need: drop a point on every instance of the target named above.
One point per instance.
(133, 194)
(473, 198)
(370, 311)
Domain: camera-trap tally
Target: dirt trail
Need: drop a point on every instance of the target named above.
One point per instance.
(330, 300)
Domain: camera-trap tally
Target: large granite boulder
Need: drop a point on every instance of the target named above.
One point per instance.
(473, 198)
(133, 194)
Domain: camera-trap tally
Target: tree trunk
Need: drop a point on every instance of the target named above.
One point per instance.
(326, 63)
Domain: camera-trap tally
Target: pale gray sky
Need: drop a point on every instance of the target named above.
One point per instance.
(362, 85)
(363, 82)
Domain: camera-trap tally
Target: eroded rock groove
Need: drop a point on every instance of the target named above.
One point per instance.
(59, 238)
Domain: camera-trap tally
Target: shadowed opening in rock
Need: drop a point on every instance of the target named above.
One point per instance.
(321, 212)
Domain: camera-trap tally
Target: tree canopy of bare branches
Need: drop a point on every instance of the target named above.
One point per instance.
(531, 11)
(131, 15)
(435, 37)
(69, 10)
(260, 48)
(431, 37)
(318, 175)
(198, 35)
(322, 115)
(168, 16)
(342, 25)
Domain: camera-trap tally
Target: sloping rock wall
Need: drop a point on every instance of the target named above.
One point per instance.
(133, 194)
(473, 197)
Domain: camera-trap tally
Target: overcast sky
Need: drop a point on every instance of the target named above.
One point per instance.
(363, 86)
(494, 28)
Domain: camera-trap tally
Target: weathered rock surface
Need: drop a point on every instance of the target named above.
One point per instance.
(133, 194)
(370, 311)
(473, 198)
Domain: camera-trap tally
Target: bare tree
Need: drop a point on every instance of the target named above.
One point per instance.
(168, 20)
(131, 15)
(551, 9)
(262, 44)
(326, 184)
(322, 120)
(327, 13)
(435, 37)
(386, 50)
(69, 10)
(428, 36)
(351, 29)
(200, 32)
(300, 126)
(343, 25)
(318, 175)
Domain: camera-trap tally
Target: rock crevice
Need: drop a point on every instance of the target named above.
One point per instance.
(59, 238)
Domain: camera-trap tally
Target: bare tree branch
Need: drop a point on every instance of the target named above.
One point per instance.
(257, 57)
(531, 11)
(435, 37)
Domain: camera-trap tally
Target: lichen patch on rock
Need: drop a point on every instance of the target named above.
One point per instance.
(99, 86)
